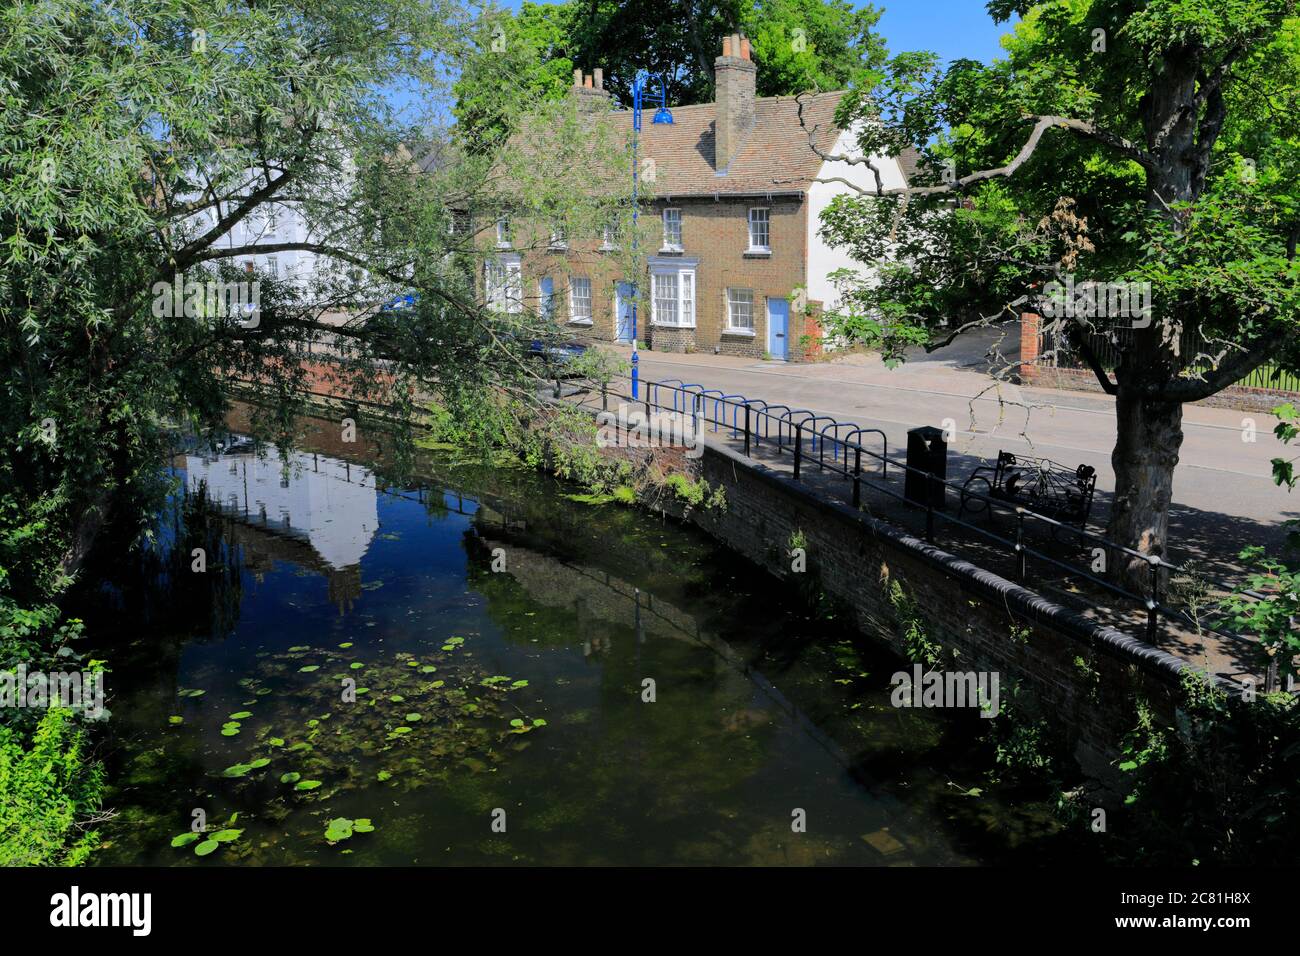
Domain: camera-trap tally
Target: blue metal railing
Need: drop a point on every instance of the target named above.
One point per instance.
(797, 433)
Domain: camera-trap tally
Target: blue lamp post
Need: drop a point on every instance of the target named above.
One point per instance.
(662, 117)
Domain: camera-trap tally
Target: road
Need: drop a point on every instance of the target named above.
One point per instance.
(1224, 495)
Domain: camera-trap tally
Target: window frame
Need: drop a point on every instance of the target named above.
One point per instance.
(683, 274)
(510, 297)
(732, 302)
(574, 317)
(679, 245)
(751, 221)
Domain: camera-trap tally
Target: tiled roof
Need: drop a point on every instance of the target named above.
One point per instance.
(774, 157)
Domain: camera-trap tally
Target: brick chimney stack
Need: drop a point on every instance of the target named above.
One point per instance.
(590, 90)
(736, 77)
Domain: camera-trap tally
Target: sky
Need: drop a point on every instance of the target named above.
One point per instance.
(951, 28)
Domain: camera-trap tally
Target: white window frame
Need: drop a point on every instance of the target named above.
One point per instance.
(575, 316)
(509, 296)
(765, 220)
(559, 237)
(676, 217)
(608, 233)
(682, 273)
(273, 266)
(503, 233)
(737, 297)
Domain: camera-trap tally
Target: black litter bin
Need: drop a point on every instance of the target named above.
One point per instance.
(927, 456)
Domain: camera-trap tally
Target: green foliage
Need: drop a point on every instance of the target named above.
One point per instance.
(1286, 431)
(516, 61)
(917, 643)
(1272, 618)
(801, 45)
(695, 494)
(1024, 746)
(49, 786)
(1216, 786)
(1175, 162)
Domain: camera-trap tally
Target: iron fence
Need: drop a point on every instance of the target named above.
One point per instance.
(810, 438)
(1057, 351)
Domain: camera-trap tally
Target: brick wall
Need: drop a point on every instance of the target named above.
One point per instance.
(1087, 676)
(717, 234)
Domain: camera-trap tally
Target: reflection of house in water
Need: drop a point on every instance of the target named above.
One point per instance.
(317, 512)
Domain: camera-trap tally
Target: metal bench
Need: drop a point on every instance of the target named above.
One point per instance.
(1039, 485)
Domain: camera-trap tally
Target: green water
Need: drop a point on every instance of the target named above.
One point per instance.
(501, 638)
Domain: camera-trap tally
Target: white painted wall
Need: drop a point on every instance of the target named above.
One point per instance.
(286, 225)
(822, 259)
(326, 502)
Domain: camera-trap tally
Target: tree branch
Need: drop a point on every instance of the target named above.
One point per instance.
(1041, 125)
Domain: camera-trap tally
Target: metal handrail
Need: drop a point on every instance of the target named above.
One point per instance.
(756, 418)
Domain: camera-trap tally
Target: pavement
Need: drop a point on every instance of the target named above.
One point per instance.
(1224, 495)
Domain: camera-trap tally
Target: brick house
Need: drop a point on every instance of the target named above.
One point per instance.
(739, 268)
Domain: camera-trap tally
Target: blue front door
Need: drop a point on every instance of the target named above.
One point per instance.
(623, 296)
(546, 297)
(778, 328)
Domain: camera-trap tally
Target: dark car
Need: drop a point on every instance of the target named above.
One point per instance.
(556, 357)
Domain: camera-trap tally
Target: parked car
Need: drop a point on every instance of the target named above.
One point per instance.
(557, 358)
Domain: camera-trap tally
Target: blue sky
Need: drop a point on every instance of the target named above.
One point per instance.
(951, 28)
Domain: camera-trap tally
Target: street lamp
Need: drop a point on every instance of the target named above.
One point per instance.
(663, 116)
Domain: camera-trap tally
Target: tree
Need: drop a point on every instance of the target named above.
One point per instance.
(1133, 146)
(134, 137)
(798, 45)
(512, 64)
(803, 45)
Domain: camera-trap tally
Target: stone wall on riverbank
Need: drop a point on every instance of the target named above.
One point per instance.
(1086, 675)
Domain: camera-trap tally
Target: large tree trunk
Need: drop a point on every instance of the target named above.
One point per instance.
(1146, 451)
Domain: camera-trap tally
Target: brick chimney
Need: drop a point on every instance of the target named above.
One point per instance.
(590, 90)
(736, 76)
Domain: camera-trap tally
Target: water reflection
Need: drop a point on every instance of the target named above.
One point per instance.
(518, 685)
(315, 511)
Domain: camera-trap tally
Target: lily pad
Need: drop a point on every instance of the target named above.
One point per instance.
(241, 715)
(206, 847)
(185, 839)
(307, 785)
(227, 836)
(308, 669)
